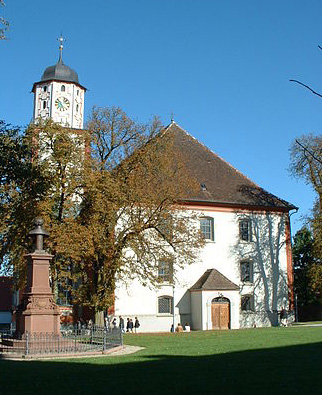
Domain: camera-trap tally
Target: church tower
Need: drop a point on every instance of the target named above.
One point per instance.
(59, 95)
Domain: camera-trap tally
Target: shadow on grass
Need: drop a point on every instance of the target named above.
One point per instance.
(284, 370)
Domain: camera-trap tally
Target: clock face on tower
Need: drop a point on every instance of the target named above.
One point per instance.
(62, 103)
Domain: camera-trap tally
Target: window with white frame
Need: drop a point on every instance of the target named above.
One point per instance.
(246, 272)
(247, 303)
(165, 270)
(245, 230)
(165, 305)
(207, 228)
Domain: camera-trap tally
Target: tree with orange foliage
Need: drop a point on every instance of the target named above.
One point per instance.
(110, 198)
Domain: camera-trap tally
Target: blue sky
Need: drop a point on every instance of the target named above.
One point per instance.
(221, 67)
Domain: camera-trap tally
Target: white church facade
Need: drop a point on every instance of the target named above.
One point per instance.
(243, 276)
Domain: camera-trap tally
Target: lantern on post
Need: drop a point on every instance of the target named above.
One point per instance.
(38, 234)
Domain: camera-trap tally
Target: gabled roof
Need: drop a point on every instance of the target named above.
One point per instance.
(220, 183)
(213, 280)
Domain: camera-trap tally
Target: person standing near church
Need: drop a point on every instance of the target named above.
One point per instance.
(131, 325)
(136, 324)
(121, 324)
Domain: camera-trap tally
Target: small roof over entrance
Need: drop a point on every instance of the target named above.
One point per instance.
(213, 280)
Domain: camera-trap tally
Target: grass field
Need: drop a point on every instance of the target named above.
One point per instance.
(254, 361)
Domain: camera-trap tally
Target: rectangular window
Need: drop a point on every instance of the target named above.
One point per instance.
(245, 233)
(246, 272)
(207, 228)
(165, 270)
(247, 303)
(165, 304)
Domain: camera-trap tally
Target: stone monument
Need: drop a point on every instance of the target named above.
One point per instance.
(38, 312)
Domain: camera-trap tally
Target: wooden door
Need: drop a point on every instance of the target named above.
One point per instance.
(220, 315)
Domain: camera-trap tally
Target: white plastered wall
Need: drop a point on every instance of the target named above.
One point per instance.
(267, 251)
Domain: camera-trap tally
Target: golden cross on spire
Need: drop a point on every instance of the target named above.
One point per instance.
(61, 39)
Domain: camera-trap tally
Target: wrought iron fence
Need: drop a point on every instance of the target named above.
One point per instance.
(70, 341)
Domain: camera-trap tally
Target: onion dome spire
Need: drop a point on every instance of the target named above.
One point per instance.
(60, 71)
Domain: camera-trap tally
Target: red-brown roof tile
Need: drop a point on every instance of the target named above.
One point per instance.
(222, 183)
(213, 280)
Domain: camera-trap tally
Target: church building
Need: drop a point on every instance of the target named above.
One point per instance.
(243, 276)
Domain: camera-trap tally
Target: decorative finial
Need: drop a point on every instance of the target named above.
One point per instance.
(172, 117)
(61, 46)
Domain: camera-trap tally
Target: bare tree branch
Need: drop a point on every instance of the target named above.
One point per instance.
(307, 87)
(305, 149)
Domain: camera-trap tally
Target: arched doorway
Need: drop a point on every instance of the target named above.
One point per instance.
(220, 313)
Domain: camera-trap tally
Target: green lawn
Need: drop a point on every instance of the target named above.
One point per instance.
(254, 361)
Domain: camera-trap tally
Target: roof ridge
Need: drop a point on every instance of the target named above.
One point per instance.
(242, 184)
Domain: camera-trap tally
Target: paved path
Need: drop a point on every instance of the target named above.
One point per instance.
(126, 350)
(119, 351)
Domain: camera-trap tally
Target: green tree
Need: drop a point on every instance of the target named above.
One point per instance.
(306, 163)
(315, 281)
(59, 154)
(20, 182)
(303, 259)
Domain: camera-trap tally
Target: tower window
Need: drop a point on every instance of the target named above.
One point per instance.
(77, 92)
(44, 104)
(203, 186)
(44, 88)
(63, 88)
(77, 108)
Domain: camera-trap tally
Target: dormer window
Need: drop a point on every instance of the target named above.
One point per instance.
(63, 88)
(203, 186)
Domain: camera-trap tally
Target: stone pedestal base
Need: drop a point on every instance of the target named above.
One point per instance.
(38, 314)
